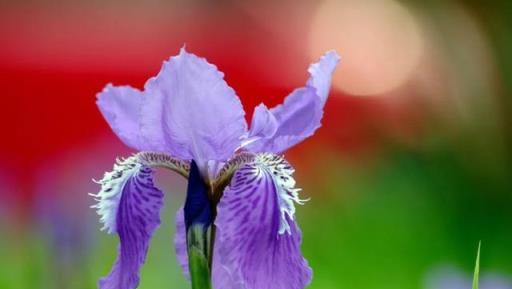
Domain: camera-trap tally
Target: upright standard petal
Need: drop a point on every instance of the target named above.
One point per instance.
(300, 114)
(258, 241)
(192, 105)
(129, 204)
(121, 107)
(264, 124)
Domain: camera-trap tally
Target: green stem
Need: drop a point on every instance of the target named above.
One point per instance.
(197, 243)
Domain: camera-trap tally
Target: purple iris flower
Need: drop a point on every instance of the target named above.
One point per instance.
(241, 196)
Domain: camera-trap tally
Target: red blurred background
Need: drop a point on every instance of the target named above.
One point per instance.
(55, 57)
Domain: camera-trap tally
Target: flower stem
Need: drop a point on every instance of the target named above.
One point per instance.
(198, 257)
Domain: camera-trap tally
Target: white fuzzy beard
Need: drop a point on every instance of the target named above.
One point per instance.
(112, 185)
(287, 195)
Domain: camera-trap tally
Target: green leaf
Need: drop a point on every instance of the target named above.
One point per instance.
(477, 267)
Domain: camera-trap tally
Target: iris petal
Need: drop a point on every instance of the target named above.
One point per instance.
(190, 103)
(264, 123)
(258, 241)
(187, 111)
(300, 114)
(180, 242)
(120, 106)
(129, 204)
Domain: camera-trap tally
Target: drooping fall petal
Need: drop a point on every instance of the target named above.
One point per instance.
(129, 205)
(180, 242)
(258, 240)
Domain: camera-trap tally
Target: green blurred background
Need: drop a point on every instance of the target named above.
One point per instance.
(410, 170)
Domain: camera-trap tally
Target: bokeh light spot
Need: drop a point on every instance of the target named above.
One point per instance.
(380, 43)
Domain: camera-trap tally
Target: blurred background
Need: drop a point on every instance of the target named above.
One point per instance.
(410, 169)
